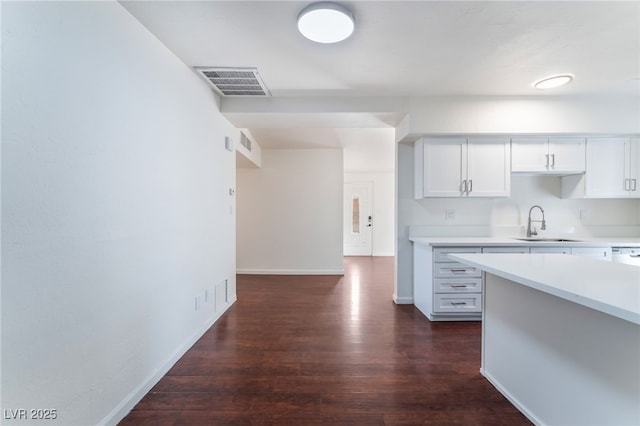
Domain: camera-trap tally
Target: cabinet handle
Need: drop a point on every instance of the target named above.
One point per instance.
(470, 185)
(463, 186)
(633, 188)
(627, 184)
(553, 160)
(459, 285)
(547, 155)
(458, 270)
(458, 303)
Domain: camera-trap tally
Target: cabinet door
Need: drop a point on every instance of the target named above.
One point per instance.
(529, 154)
(488, 167)
(567, 154)
(444, 167)
(633, 167)
(602, 253)
(606, 175)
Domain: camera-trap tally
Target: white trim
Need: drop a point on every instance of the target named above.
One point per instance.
(125, 406)
(402, 300)
(524, 410)
(383, 253)
(290, 271)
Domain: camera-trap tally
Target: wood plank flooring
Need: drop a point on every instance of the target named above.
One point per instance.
(328, 350)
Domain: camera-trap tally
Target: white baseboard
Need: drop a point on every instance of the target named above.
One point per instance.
(290, 271)
(403, 300)
(126, 405)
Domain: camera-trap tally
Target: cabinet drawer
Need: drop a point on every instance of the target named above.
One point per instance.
(441, 254)
(505, 250)
(561, 250)
(457, 303)
(468, 285)
(455, 270)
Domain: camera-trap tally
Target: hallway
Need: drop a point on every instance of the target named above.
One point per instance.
(328, 350)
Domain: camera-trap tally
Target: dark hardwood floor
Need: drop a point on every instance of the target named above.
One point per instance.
(328, 350)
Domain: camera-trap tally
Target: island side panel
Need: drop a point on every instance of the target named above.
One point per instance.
(423, 278)
(557, 361)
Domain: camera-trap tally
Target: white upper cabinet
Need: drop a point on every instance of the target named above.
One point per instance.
(612, 168)
(488, 167)
(444, 167)
(548, 155)
(529, 154)
(456, 167)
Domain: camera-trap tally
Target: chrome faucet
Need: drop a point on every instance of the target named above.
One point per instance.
(533, 231)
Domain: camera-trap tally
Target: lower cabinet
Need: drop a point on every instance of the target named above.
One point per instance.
(445, 290)
(457, 288)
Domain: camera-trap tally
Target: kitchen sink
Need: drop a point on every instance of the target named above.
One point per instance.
(548, 240)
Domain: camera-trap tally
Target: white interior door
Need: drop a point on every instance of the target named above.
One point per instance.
(358, 219)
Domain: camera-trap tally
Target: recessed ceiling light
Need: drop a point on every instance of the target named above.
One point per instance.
(326, 22)
(554, 81)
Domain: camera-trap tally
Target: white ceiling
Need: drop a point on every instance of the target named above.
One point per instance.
(414, 48)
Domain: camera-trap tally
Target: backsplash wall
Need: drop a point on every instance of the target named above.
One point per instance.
(562, 215)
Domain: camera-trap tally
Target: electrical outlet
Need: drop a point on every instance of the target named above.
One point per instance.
(449, 214)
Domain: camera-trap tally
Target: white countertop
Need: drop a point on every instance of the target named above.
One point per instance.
(501, 241)
(612, 288)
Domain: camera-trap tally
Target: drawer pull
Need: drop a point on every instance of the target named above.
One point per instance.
(459, 285)
(458, 303)
(458, 270)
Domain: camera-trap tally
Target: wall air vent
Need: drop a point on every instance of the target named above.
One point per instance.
(234, 81)
(245, 141)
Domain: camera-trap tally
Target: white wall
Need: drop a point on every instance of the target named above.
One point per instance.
(512, 115)
(115, 208)
(369, 156)
(289, 213)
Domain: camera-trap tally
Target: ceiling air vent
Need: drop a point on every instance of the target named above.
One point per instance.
(234, 81)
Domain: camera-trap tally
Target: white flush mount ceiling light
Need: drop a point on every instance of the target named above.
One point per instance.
(554, 81)
(326, 22)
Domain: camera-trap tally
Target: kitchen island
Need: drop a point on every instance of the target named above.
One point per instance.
(561, 336)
